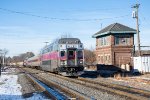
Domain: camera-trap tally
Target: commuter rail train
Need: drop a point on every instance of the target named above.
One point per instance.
(64, 56)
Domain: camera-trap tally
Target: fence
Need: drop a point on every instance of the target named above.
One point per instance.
(141, 64)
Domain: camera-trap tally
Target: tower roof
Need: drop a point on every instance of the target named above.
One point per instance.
(115, 28)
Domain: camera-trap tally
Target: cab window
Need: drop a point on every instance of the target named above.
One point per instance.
(62, 54)
(70, 53)
(80, 54)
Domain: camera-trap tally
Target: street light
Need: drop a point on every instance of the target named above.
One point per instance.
(46, 43)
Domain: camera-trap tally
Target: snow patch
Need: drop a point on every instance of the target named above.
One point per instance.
(11, 90)
(10, 86)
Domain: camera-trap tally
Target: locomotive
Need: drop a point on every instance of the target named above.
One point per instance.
(64, 56)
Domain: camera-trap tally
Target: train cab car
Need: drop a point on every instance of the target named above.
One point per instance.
(64, 56)
(71, 56)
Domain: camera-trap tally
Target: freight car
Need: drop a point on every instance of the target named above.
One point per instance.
(64, 56)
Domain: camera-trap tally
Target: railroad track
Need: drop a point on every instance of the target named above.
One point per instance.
(67, 93)
(51, 93)
(127, 92)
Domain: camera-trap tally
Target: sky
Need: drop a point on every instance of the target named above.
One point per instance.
(26, 24)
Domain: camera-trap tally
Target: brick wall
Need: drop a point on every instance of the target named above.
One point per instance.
(112, 54)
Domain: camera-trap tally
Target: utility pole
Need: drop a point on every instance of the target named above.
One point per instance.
(135, 15)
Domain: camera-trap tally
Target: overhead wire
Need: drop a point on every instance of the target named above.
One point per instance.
(62, 19)
(54, 18)
(145, 20)
(89, 10)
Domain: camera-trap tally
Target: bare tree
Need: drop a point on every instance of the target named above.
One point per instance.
(90, 57)
(22, 57)
(3, 53)
(66, 35)
(8, 60)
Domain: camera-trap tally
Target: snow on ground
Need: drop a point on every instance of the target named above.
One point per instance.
(11, 90)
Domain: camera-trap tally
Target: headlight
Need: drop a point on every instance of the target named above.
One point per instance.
(63, 62)
(80, 61)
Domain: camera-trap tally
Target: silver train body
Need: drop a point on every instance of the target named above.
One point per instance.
(64, 56)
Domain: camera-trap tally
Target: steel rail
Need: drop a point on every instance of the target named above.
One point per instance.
(44, 88)
(121, 90)
(72, 95)
(129, 92)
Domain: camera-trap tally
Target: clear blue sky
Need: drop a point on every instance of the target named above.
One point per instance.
(20, 33)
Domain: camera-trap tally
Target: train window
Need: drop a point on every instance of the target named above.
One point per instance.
(43, 52)
(62, 53)
(51, 48)
(81, 46)
(55, 47)
(46, 62)
(48, 49)
(71, 53)
(80, 54)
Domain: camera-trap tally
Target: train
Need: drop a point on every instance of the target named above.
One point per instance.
(64, 56)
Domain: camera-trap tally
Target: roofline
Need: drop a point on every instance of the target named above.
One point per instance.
(130, 32)
(96, 35)
(108, 32)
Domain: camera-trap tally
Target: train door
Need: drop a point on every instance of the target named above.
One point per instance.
(71, 57)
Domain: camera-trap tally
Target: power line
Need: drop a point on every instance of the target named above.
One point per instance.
(63, 19)
(88, 10)
(145, 20)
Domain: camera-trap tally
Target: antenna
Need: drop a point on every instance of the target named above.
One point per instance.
(101, 25)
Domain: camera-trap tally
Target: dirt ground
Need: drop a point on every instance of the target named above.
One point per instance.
(28, 88)
(140, 81)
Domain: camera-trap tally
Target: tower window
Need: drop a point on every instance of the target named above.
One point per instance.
(122, 40)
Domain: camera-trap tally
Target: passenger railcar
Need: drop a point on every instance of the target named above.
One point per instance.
(64, 56)
(33, 62)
